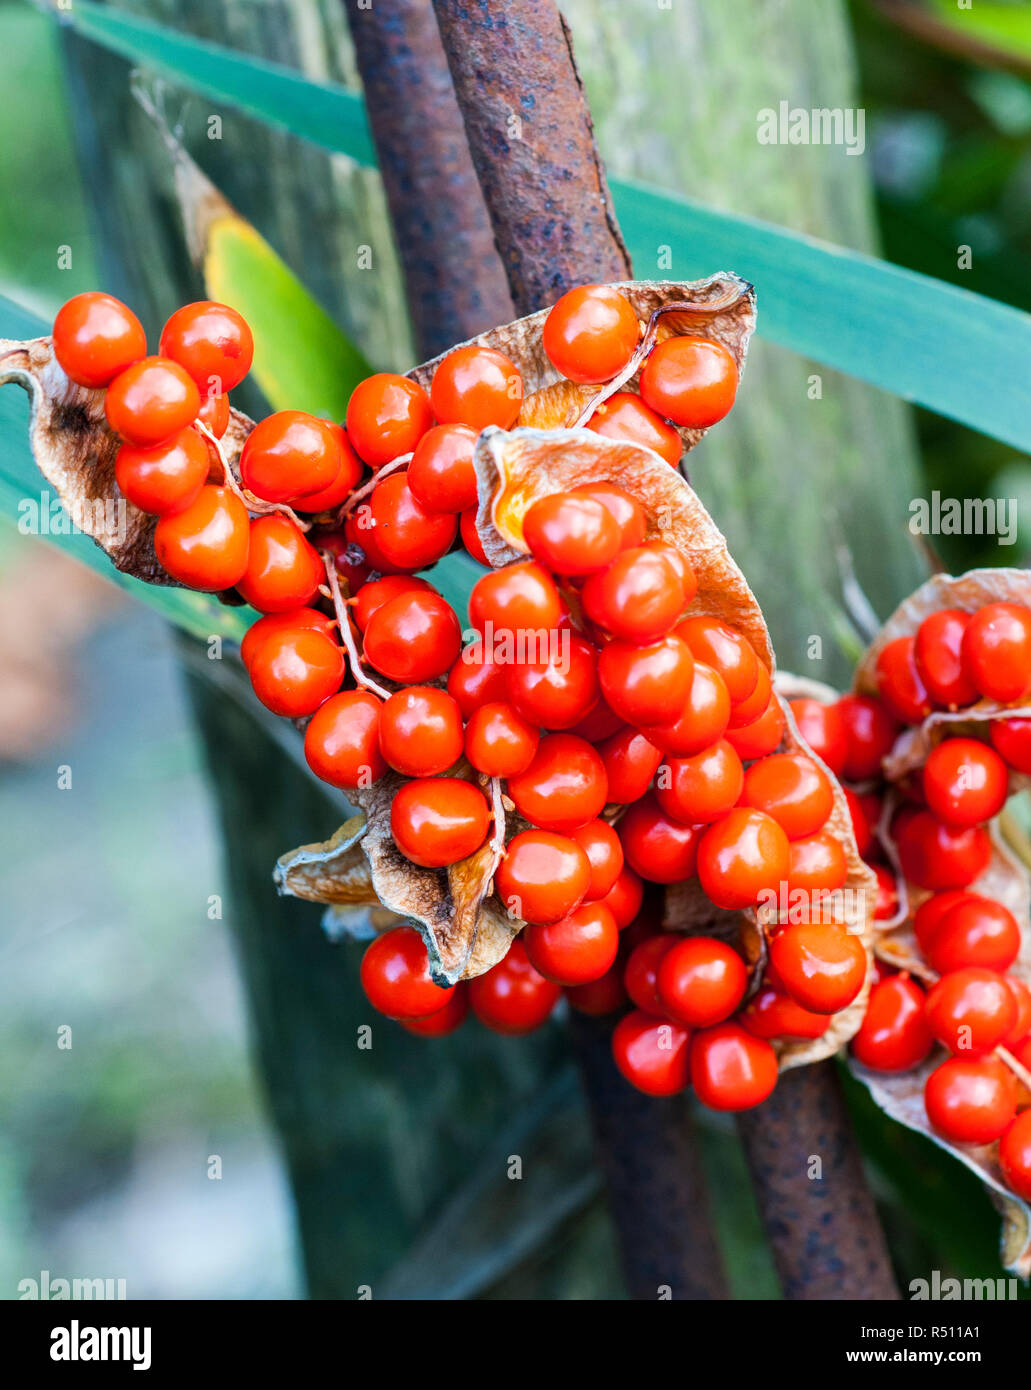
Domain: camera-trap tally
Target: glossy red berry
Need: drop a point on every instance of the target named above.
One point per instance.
(791, 788)
(571, 533)
(413, 638)
(601, 844)
(165, 478)
(817, 865)
(444, 1021)
(564, 787)
(965, 782)
(894, 1035)
(652, 1053)
(640, 975)
(387, 415)
(971, 1101)
(742, 856)
(602, 997)
(290, 454)
(939, 642)
(283, 570)
(970, 1010)
(518, 599)
(213, 343)
(764, 735)
(214, 414)
(823, 729)
(701, 981)
(728, 652)
(499, 742)
(578, 948)
(441, 474)
(820, 964)
(1011, 739)
(934, 856)
(996, 651)
(349, 470)
(691, 381)
(638, 597)
(871, 731)
(1022, 999)
(631, 762)
(374, 594)
(396, 976)
(932, 910)
(543, 876)
(659, 849)
(899, 683)
(96, 337)
(773, 1014)
(420, 731)
(476, 386)
(625, 416)
(150, 401)
(512, 997)
(558, 690)
(205, 545)
(294, 670)
(341, 742)
(470, 534)
(646, 684)
(279, 622)
(700, 789)
(731, 1069)
(625, 510)
(591, 333)
(702, 721)
(978, 932)
(476, 679)
(437, 821)
(1015, 1155)
(625, 897)
(409, 536)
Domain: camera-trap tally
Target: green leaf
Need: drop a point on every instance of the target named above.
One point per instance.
(953, 352)
(21, 482)
(1003, 27)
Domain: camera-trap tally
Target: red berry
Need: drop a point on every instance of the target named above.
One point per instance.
(792, 789)
(964, 782)
(214, 414)
(341, 743)
(477, 386)
(899, 683)
(934, 856)
(1022, 999)
(630, 764)
(727, 652)
(977, 931)
(559, 690)
(441, 474)
(499, 741)
(349, 470)
(821, 965)
(591, 333)
(1011, 738)
(205, 545)
(625, 897)
(773, 1014)
(638, 597)
(823, 729)
(293, 671)
(886, 904)
(690, 381)
(701, 981)
(577, 949)
(571, 533)
(414, 637)
(939, 642)
(604, 853)
(741, 857)
(931, 912)
(396, 976)
(409, 536)
(764, 735)
(437, 821)
(387, 415)
(518, 599)
(420, 731)
(564, 786)
(996, 651)
(652, 1053)
(96, 337)
(601, 997)
(863, 823)
(641, 974)
(659, 849)
(290, 454)
(703, 788)
(894, 1035)
(871, 731)
(283, 570)
(1015, 1155)
(475, 679)
(213, 343)
(817, 865)
(625, 416)
(150, 401)
(377, 592)
(165, 478)
(702, 721)
(471, 536)
(731, 1069)
(512, 997)
(626, 511)
(971, 1010)
(279, 622)
(971, 1102)
(446, 1020)
(646, 684)
(543, 876)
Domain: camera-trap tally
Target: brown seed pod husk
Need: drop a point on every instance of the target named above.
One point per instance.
(968, 592)
(720, 307)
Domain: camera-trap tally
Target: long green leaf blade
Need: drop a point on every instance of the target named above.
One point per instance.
(959, 354)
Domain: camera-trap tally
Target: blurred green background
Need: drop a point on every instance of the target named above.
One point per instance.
(104, 1148)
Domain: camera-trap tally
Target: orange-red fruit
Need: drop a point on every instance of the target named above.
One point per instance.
(543, 876)
(773, 1014)
(476, 679)
(652, 1053)
(279, 622)
(290, 454)
(646, 684)
(571, 533)
(700, 789)
(899, 683)
(499, 742)
(731, 1069)
(971, 1010)
(702, 721)
(518, 598)
(631, 762)
(341, 743)
(625, 510)
(691, 381)
(387, 415)
(420, 731)
(96, 337)
(349, 470)
(701, 981)
(376, 592)
(476, 386)
(406, 533)
(436, 821)
(150, 401)
(441, 473)
(283, 570)
(791, 788)
(625, 416)
(413, 638)
(964, 782)
(894, 1035)
(559, 690)
(971, 1101)
(604, 853)
(727, 651)
(625, 897)
(564, 787)
(395, 975)
(976, 931)
(659, 849)
(165, 478)
(512, 997)
(939, 642)
(444, 1021)
(823, 729)
(821, 964)
(591, 333)
(871, 731)
(638, 597)
(1015, 1155)
(578, 948)
(996, 651)
(764, 735)
(742, 856)
(293, 671)
(1011, 738)
(205, 545)
(212, 341)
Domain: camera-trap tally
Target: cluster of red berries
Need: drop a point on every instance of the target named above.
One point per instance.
(969, 941)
